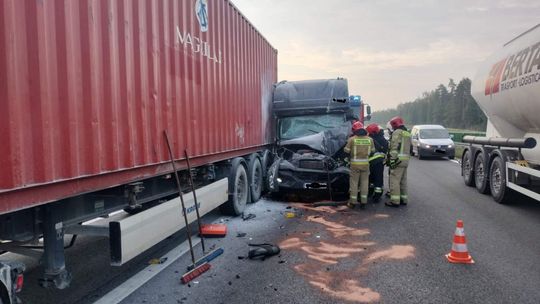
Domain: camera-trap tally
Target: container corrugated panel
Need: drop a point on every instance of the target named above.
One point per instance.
(88, 87)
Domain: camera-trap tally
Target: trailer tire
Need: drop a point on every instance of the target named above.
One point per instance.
(481, 174)
(467, 168)
(497, 172)
(238, 188)
(256, 177)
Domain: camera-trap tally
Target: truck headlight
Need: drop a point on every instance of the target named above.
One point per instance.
(450, 146)
(279, 180)
(427, 146)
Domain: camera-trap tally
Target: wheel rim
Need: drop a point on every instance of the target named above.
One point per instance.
(466, 166)
(480, 172)
(496, 179)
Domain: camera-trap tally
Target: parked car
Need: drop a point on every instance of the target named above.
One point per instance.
(431, 141)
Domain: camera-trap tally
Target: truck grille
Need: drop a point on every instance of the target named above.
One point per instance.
(312, 164)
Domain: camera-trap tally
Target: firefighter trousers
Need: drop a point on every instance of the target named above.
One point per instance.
(376, 177)
(359, 182)
(398, 184)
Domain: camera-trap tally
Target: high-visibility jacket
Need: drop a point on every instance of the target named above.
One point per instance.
(400, 145)
(381, 148)
(360, 148)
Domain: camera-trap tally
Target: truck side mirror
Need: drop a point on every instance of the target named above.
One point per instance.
(367, 118)
(368, 111)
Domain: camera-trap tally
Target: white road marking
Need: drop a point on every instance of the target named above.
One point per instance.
(135, 282)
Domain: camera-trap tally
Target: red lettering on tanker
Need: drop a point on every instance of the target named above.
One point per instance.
(517, 70)
(494, 78)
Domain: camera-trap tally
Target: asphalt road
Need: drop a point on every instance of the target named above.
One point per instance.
(335, 255)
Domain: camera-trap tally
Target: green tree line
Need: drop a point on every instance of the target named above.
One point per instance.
(452, 107)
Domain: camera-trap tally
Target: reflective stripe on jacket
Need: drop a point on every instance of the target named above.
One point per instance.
(400, 144)
(360, 148)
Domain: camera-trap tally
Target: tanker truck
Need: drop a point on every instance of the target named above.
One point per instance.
(507, 89)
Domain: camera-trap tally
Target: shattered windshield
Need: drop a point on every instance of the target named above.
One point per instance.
(294, 127)
(434, 134)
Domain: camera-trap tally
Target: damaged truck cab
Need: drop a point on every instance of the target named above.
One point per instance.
(313, 121)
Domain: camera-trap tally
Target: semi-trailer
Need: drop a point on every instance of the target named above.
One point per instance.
(87, 90)
(507, 89)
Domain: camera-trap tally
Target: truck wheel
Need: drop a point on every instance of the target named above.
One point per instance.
(481, 174)
(467, 168)
(266, 161)
(499, 191)
(238, 188)
(4, 296)
(256, 178)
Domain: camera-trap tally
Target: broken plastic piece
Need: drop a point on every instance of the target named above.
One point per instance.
(290, 214)
(157, 261)
(263, 251)
(248, 217)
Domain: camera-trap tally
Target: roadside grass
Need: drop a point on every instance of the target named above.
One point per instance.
(459, 151)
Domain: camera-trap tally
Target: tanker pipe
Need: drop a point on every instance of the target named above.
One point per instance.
(526, 143)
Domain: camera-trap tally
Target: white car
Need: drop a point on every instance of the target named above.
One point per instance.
(431, 141)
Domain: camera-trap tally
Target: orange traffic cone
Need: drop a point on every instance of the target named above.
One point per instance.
(459, 253)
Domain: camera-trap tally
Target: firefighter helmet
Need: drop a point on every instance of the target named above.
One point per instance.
(357, 125)
(396, 122)
(373, 129)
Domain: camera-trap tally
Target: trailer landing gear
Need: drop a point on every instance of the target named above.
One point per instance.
(56, 274)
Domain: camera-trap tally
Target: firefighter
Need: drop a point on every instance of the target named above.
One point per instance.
(400, 147)
(360, 147)
(376, 162)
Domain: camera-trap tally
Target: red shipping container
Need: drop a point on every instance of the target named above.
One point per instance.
(88, 87)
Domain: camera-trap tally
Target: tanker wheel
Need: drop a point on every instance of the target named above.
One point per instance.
(238, 188)
(481, 174)
(256, 177)
(467, 168)
(499, 191)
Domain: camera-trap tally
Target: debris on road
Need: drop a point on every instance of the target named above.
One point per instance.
(263, 251)
(290, 214)
(248, 217)
(241, 234)
(157, 261)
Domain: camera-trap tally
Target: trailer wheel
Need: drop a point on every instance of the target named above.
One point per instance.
(497, 172)
(467, 168)
(238, 188)
(255, 177)
(480, 174)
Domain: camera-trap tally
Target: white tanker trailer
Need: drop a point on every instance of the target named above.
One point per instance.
(507, 88)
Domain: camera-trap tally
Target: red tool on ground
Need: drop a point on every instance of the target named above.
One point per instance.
(192, 274)
(213, 230)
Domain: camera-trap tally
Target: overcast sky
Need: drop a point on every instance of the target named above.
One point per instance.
(390, 51)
